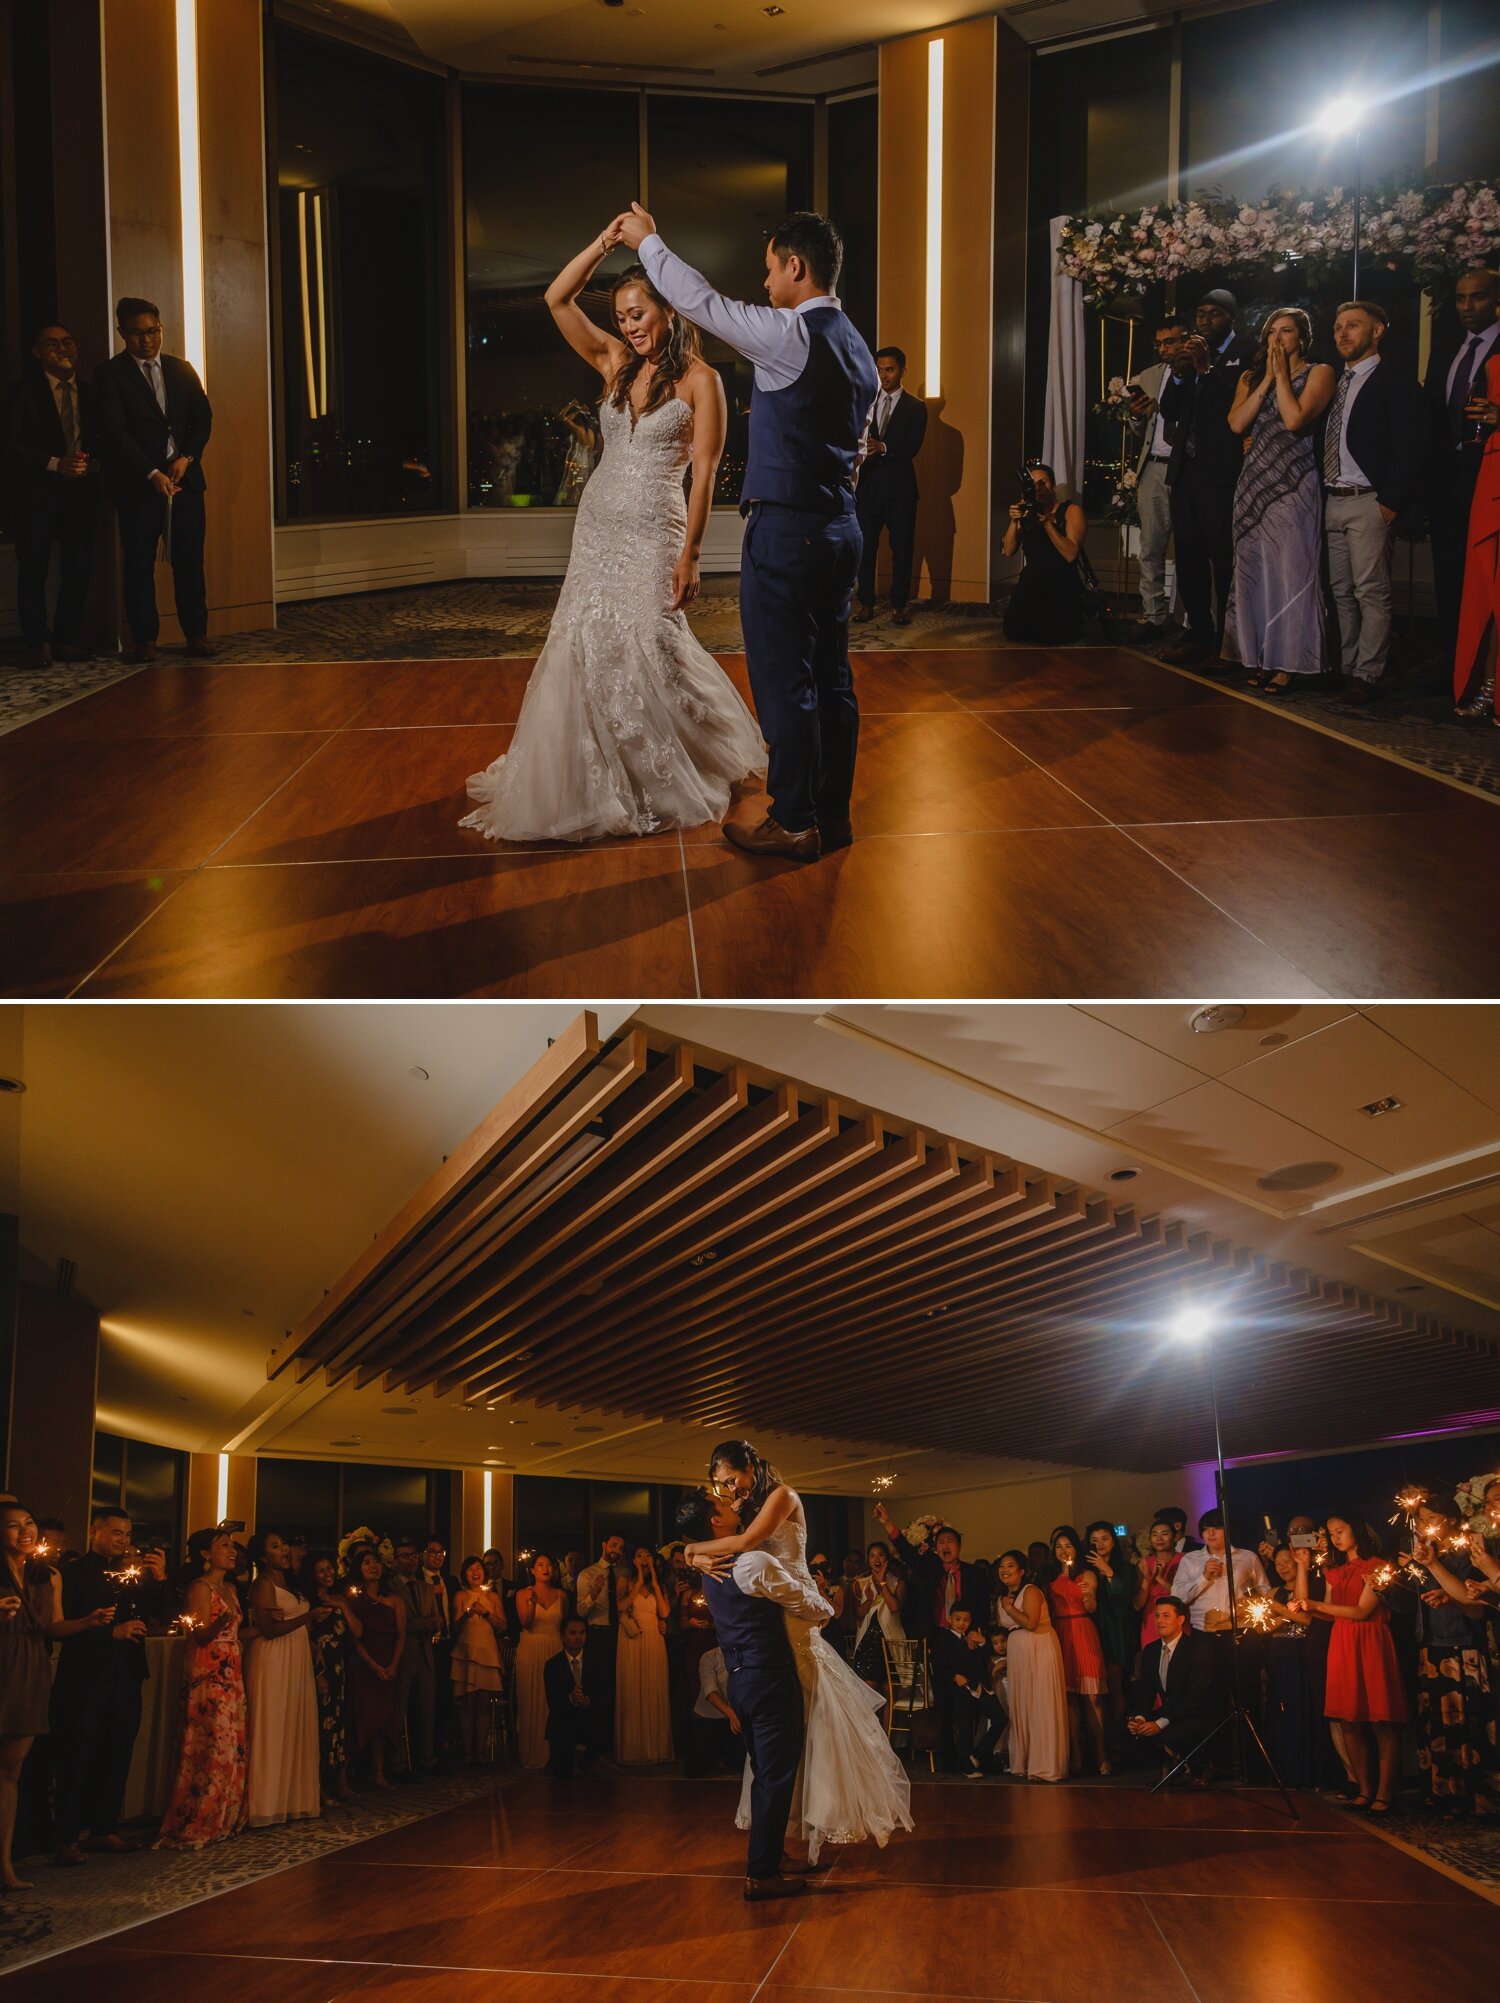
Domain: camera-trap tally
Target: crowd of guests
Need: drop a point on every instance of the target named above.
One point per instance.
(1282, 482)
(307, 1673)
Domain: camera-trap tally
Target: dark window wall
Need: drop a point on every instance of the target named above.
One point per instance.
(360, 215)
(147, 1482)
(323, 1500)
(557, 1513)
(854, 204)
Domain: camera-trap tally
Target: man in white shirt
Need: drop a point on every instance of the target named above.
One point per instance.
(1153, 503)
(1202, 1582)
(595, 1599)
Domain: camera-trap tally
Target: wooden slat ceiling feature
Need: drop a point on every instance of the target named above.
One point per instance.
(652, 1230)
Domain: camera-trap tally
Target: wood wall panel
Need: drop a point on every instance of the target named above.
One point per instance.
(953, 470)
(52, 1406)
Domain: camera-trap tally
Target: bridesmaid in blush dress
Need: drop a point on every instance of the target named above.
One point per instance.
(374, 1688)
(280, 1695)
(540, 1608)
(643, 1710)
(208, 1796)
(1073, 1599)
(1275, 616)
(1035, 1686)
(1364, 1691)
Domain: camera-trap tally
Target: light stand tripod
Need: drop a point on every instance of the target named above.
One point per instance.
(1236, 1715)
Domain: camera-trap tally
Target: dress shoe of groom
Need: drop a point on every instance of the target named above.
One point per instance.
(200, 649)
(770, 838)
(901, 617)
(863, 616)
(834, 834)
(780, 1887)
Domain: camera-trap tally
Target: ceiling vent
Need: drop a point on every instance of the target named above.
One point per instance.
(1300, 1175)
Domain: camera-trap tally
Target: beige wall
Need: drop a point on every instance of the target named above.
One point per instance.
(953, 469)
(203, 1492)
(1012, 1514)
(145, 252)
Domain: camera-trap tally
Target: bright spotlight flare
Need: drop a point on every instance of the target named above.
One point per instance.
(1345, 113)
(1192, 1325)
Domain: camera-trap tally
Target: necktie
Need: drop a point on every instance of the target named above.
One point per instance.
(885, 415)
(440, 1603)
(1458, 395)
(158, 387)
(1166, 1657)
(67, 412)
(1333, 437)
(575, 1663)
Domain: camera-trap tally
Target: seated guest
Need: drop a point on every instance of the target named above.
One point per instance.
(96, 1692)
(332, 1640)
(1153, 1580)
(1275, 614)
(154, 420)
(885, 496)
(1175, 1705)
(878, 1597)
(1035, 1685)
(281, 1694)
(1364, 1691)
(375, 1672)
(48, 497)
(415, 1688)
(938, 1574)
(1046, 606)
(577, 1706)
(208, 1796)
(474, 1663)
(1371, 445)
(31, 1619)
(969, 1719)
(716, 1743)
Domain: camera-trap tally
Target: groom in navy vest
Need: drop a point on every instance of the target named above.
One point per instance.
(815, 381)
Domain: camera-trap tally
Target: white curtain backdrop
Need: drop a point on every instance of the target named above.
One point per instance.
(1062, 429)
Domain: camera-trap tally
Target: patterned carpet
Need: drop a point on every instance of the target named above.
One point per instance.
(69, 1908)
(489, 618)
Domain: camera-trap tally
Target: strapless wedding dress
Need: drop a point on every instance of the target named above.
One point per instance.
(850, 1784)
(627, 724)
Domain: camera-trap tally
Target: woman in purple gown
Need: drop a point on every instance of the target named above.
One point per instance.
(1275, 619)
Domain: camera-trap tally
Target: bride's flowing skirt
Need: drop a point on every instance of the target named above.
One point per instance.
(850, 1785)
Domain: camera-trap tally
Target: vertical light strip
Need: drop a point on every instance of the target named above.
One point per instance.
(934, 358)
(193, 336)
(223, 1488)
(322, 410)
(307, 349)
(489, 1509)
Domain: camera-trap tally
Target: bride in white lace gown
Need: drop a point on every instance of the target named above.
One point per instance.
(850, 1785)
(628, 725)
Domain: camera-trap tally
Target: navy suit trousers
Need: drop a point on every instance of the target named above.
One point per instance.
(767, 1700)
(797, 573)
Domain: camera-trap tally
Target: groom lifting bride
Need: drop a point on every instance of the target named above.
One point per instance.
(628, 726)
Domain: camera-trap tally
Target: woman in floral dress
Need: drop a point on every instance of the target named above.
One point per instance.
(330, 1648)
(208, 1796)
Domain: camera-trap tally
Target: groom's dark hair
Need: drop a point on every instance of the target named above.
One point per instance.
(695, 1516)
(816, 241)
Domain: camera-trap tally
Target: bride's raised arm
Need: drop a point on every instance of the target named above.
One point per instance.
(602, 351)
(773, 1512)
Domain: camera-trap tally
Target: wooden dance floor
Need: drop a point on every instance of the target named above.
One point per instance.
(1029, 823)
(627, 1890)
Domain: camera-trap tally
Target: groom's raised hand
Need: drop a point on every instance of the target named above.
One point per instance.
(636, 227)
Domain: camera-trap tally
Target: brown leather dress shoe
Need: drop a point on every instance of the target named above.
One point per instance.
(863, 616)
(70, 1853)
(834, 834)
(1358, 694)
(200, 649)
(780, 1887)
(769, 837)
(901, 617)
(1189, 654)
(144, 654)
(71, 654)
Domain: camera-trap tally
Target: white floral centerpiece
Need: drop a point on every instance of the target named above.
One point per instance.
(365, 1535)
(1470, 1498)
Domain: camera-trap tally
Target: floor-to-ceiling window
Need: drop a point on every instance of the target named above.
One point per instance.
(148, 1483)
(361, 354)
(854, 204)
(322, 1501)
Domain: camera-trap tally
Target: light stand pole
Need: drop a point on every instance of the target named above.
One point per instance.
(1236, 1715)
(1348, 114)
(1358, 192)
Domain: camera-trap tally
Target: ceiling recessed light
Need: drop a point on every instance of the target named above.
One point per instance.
(1123, 1174)
(399, 1411)
(354, 1440)
(12, 1085)
(1275, 1040)
(703, 1258)
(417, 1072)
(248, 1311)
(519, 1422)
(1220, 1015)
(1300, 1175)
(772, 12)
(1377, 1107)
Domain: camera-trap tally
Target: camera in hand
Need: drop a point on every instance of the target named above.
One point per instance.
(1029, 509)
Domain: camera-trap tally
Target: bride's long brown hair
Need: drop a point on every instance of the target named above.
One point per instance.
(682, 349)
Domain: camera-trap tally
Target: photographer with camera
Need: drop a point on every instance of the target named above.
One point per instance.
(1046, 607)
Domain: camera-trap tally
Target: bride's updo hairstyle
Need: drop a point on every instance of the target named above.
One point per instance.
(677, 356)
(742, 1457)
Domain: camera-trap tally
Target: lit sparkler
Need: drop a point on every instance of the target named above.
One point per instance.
(882, 1484)
(43, 1549)
(1408, 1501)
(126, 1576)
(1382, 1576)
(1259, 1611)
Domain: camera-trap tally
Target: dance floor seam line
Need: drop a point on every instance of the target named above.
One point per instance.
(120, 944)
(687, 900)
(1187, 1979)
(776, 1963)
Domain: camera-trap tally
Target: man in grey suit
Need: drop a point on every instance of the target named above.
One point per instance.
(1152, 500)
(415, 1678)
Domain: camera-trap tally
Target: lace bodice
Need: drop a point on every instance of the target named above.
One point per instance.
(788, 1543)
(641, 470)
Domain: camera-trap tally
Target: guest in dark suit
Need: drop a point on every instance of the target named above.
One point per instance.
(48, 494)
(444, 1593)
(578, 1709)
(1203, 470)
(970, 1719)
(886, 496)
(940, 1578)
(154, 421)
(1456, 372)
(1372, 448)
(96, 1693)
(1174, 1685)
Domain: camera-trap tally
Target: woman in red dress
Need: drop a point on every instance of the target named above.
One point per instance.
(1479, 613)
(1364, 1689)
(1072, 1596)
(1154, 1579)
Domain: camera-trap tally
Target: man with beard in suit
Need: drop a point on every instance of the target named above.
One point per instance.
(1203, 470)
(48, 495)
(154, 421)
(886, 496)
